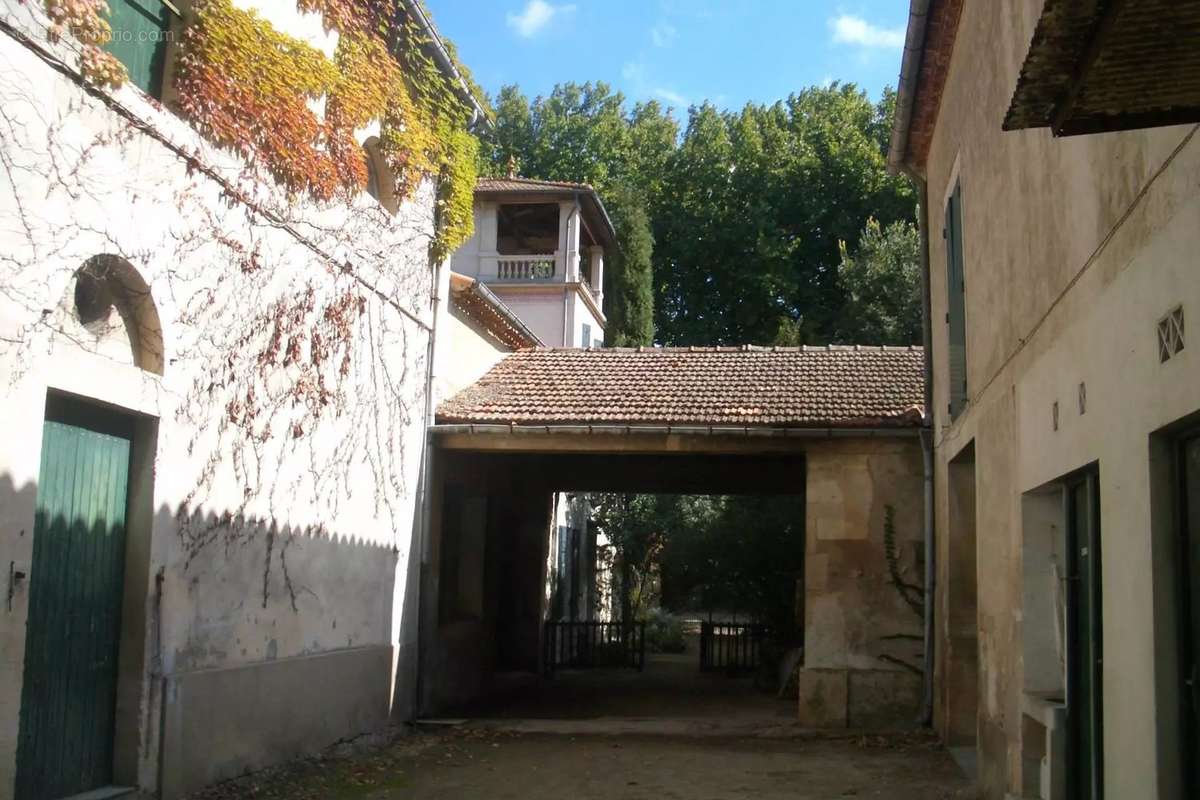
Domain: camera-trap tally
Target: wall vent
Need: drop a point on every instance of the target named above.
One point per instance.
(1170, 334)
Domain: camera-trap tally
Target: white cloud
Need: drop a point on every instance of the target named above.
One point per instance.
(674, 98)
(633, 71)
(536, 15)
(663, 34)
(857, 31)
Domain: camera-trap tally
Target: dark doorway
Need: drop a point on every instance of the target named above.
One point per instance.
(1189, 518)
(960, 684)
(68, 702)
(1085, 686)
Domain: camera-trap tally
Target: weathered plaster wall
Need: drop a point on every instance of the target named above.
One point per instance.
(543, 309)
(862, 647)
(273, 549)
(465, 353)
(1074, 249)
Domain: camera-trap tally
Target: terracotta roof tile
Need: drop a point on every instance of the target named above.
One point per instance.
(837, 386)
(529, 185)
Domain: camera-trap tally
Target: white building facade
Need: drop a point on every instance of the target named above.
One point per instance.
(216, 396)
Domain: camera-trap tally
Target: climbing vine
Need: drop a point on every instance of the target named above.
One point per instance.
(250, 88)
(84, 19)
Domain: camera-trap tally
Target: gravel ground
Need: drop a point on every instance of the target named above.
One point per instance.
(477, 762)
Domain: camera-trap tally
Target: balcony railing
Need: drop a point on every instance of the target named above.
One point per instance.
(527, 268)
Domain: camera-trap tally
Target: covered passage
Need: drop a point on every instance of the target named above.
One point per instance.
(837, 427)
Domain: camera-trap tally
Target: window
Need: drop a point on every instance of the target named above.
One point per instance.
(956, 314)
(381, 183)
(1170, 334)
(141, 30)
(586, 339)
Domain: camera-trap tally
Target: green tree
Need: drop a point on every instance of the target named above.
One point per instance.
(747, 210)
(637, 526)
(511, 139)
(881, 282)
(757, 203)
(629, 290)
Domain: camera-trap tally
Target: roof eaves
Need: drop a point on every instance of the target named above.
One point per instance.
(446, 63)
(906, 89)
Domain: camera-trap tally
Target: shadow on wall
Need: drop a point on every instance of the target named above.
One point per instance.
(221, 643)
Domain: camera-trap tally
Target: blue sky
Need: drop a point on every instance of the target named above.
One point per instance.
(678, 51)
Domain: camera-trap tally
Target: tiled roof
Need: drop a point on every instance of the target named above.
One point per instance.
(836, 386)
(529, 185)
(475, 301)
(1110, 66)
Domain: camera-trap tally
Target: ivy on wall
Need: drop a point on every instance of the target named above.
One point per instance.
(84, 19)
(252, 89)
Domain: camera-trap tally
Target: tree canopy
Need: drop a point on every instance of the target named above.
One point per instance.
(748, 210)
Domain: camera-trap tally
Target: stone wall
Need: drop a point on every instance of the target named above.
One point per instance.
(862, 639)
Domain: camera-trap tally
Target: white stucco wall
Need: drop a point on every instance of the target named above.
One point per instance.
(465, 353)
(582, 314)
(275, 547)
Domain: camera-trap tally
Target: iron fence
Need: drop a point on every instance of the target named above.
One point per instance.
(585, 645)
(731, 646)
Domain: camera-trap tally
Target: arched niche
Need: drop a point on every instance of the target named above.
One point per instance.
(381, 182)
(112, 302)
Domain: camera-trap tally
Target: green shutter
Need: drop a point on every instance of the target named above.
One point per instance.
(956, 316)
(139, 40)
(68, 697)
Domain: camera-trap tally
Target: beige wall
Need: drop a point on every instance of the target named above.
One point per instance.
(277, 542)
(1074, 248)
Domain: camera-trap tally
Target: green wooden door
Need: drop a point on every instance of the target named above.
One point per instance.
(1085, 662)
(1189, 517)
(69, 695)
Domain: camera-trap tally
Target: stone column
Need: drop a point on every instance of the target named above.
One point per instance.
(569, 227)
(596, 261)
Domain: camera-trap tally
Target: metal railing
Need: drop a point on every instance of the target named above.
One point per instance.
(731, 646)
(585, 645)
(526, 268)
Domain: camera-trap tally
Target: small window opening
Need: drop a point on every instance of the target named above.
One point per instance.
(1170, 334)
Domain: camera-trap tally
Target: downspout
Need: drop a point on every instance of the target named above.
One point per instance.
(927, 453)
(898, 161)
(425, 501)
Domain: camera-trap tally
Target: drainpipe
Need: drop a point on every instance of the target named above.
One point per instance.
(927, 451)
(425, 502)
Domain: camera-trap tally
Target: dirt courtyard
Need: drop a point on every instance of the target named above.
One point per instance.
(475, 762)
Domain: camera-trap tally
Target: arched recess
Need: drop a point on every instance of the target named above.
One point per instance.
(381, 182)
(110, 299)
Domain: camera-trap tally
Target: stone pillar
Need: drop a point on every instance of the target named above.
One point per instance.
(487, 222)
(569, 227)
(596, 261)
